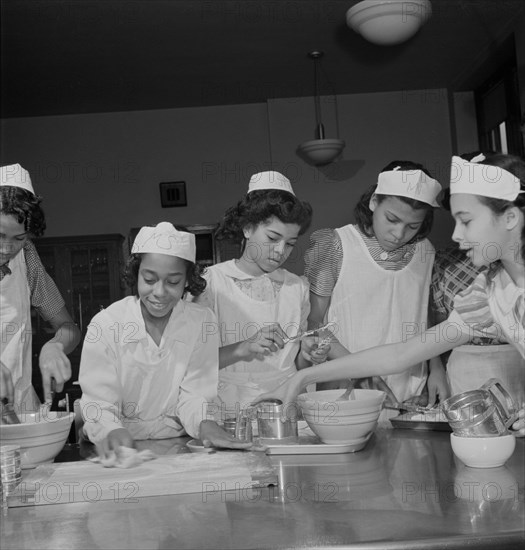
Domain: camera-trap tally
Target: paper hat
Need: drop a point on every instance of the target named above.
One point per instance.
(270, 180)
(16, 176)
(414, 184)
(482, 179)
(165, 239)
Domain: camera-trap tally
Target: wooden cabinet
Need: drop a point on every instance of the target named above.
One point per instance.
(88, 272)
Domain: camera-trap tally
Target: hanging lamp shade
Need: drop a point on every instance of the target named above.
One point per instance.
(388, 22)
(319, 151)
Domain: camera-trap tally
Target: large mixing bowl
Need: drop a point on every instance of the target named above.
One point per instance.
(41, 436)
(341, 421)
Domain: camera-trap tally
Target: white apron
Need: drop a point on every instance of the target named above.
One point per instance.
(15, 315)
(372, 306)
(240, 316)
(469, 367)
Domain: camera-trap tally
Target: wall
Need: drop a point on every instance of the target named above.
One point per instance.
(99, 173)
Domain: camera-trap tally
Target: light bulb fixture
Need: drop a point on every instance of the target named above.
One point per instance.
(320, 151)
(388, 22)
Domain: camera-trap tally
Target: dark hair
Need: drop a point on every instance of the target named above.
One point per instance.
(516, 166)
(25, 207)
(364, 215)
(195, 283)
(260, 206)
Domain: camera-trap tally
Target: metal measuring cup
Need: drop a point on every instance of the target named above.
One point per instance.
(488, 411)
(275, 421)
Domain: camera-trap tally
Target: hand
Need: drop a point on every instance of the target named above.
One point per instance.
(7, 390)
(312, 352)
(437, 384)
(519, 426)
(265, 341)
(287, 392)
(53, 364)
(212, 435)
(115, 439)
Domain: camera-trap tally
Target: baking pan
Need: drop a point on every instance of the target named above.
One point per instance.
(413, 421)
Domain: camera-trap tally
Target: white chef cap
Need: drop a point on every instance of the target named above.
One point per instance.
(270, 180)
(16, 176)
(473, 178)
(165, 239)
(414, 184)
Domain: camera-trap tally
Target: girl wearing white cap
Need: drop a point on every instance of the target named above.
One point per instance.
(149, 363)
(257, 302)
(24, 283)
(488, 204)
(372, 279)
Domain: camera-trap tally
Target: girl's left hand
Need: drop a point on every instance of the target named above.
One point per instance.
(312, 352)
(212, 435)
(53, 364)
(519, 426)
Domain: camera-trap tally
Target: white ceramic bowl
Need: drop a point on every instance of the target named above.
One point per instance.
(339, 422)
(483, 452)
(41, 436)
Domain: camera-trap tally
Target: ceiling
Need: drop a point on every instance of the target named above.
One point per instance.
(81, 56)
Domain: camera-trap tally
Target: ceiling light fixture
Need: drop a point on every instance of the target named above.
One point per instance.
(388, 22)
(320, 151)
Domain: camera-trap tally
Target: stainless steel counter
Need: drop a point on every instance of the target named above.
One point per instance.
(405, 490)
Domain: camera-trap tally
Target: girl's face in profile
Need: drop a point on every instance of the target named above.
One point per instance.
(160, 283)
(478, 231)
(269, 244)
(395, 222)
(13, 237)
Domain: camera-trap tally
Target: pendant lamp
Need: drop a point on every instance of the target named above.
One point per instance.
(319, 151)
(388, 22)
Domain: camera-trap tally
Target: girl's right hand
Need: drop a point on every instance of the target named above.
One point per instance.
(265, 341)
(115, 439)
(519, 426)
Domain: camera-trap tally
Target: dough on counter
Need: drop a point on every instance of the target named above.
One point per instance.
(125, 457)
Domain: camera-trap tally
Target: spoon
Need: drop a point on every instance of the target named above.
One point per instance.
(8, 413)
(348, 395)
(307, 333)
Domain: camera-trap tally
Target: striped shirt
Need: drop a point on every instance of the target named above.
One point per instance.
(45, 296)
(324, 258)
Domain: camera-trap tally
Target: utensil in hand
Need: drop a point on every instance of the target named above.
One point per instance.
(302, 335)
(348, 394)
(9, 415)
(53, 400)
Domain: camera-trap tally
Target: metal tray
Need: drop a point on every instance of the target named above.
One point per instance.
(308, 443)
(407, 422)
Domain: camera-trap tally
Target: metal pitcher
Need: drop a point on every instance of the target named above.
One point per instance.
(489, 411)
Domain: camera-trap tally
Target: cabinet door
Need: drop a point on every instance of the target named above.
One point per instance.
(87, 271)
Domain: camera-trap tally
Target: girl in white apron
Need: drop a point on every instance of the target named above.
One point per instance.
(488, 205)
(258, 303)
(21, 216)
(149, 361)
(384, 264)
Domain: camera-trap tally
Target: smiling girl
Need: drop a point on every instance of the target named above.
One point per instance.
(148, 370)
(257, 302)
(488, 205)
(372, 278)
